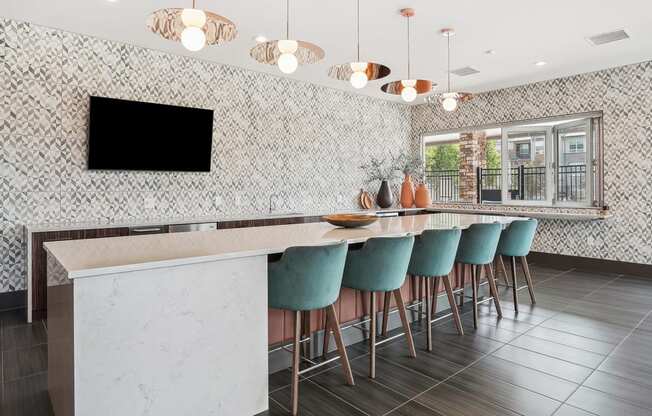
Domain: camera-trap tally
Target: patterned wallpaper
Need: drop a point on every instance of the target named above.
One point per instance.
(271, 135)
(624, 95)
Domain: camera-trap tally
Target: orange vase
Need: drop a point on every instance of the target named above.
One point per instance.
(422, 196)
(407, 192)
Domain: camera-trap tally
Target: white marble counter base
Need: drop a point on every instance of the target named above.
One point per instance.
(189, 340)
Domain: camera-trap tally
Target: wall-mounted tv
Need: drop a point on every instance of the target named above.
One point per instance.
(132, 135)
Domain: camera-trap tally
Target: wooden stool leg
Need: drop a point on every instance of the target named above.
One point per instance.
(435, 295)
(372, 335)
(406, 325)
(327, 336)
(451, 302)
(464, 269)
(420, 298)
(504, 270)
(388, 298)
(493, 289)
(306, 345)
(474, 285)
(512, 261)
(296, 351)
(337, 334)
(528, 278)
(428, 317)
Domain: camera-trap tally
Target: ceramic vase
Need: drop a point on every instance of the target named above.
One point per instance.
(384, 198)
(422, 196)
(407, 192)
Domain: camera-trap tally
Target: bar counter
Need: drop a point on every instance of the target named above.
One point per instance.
(172, 324)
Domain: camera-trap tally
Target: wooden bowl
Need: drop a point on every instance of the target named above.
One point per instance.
(350, 220)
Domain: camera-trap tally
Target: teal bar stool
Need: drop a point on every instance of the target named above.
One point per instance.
(477, 249)
(306, 279)
(380, 266)
(433, 258)
(516, 241)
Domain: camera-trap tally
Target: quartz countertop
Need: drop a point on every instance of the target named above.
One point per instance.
(135, 222)
(94, 257)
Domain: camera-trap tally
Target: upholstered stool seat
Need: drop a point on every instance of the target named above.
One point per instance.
(305, 279)
(433, 257)
(477, 249)
(515, 242)
(380, 266)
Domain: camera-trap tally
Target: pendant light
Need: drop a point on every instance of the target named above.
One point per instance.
(287, 53)
(408, 88)
(193, 27)
(449, 100)
(358, 73)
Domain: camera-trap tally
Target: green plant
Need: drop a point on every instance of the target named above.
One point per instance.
(443, 157)
(379, 170)
(409, 164)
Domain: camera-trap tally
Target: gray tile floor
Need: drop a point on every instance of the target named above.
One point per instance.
(581, 350)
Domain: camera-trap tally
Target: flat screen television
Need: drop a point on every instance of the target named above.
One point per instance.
(132, 135)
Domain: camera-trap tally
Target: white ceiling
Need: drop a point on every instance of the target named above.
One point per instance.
(520, 31)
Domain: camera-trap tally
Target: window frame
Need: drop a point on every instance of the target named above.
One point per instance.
(595, 160)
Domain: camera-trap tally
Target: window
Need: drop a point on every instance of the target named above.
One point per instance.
(523, 150)
(574, 144)
(555, 161)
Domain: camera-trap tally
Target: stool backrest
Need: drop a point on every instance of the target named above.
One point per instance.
(434, 253)
(307, 277)
(478, 244)
(516, 240)
(380, 265)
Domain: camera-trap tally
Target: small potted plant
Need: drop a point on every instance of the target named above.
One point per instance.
(410, 165)
(382, 171)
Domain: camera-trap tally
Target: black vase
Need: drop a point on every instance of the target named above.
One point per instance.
(384, 198)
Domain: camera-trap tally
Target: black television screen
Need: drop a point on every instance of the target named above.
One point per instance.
(132, 135)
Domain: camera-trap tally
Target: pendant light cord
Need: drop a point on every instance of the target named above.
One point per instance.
(287, 19)
(448, 38)
(408, 46)
(358, 33)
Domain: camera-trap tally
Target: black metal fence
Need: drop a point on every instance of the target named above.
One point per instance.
(444, 185)
(529, 183)
(571, 183)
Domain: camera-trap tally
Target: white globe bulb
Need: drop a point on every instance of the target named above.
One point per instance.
(287, 46)
(359, 79)
(287, 63)
(409, 94)
(193, 18)
(449, 103)
(193, 38)
(409, 83)
(359, 66)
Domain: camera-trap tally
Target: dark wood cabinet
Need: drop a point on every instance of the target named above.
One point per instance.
(39, 260)
(266, 222)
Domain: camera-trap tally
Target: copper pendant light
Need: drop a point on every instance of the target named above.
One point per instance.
(287, 53)
(408, 88)
(194, 28)
(358, 73)
(450, 99)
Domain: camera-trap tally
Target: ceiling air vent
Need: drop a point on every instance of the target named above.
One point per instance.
(603, 38)
(464, 72)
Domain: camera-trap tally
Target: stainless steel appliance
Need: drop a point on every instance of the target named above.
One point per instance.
(183, 228)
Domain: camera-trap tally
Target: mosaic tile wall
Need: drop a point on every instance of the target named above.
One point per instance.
(271, 136)
(624, 94)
